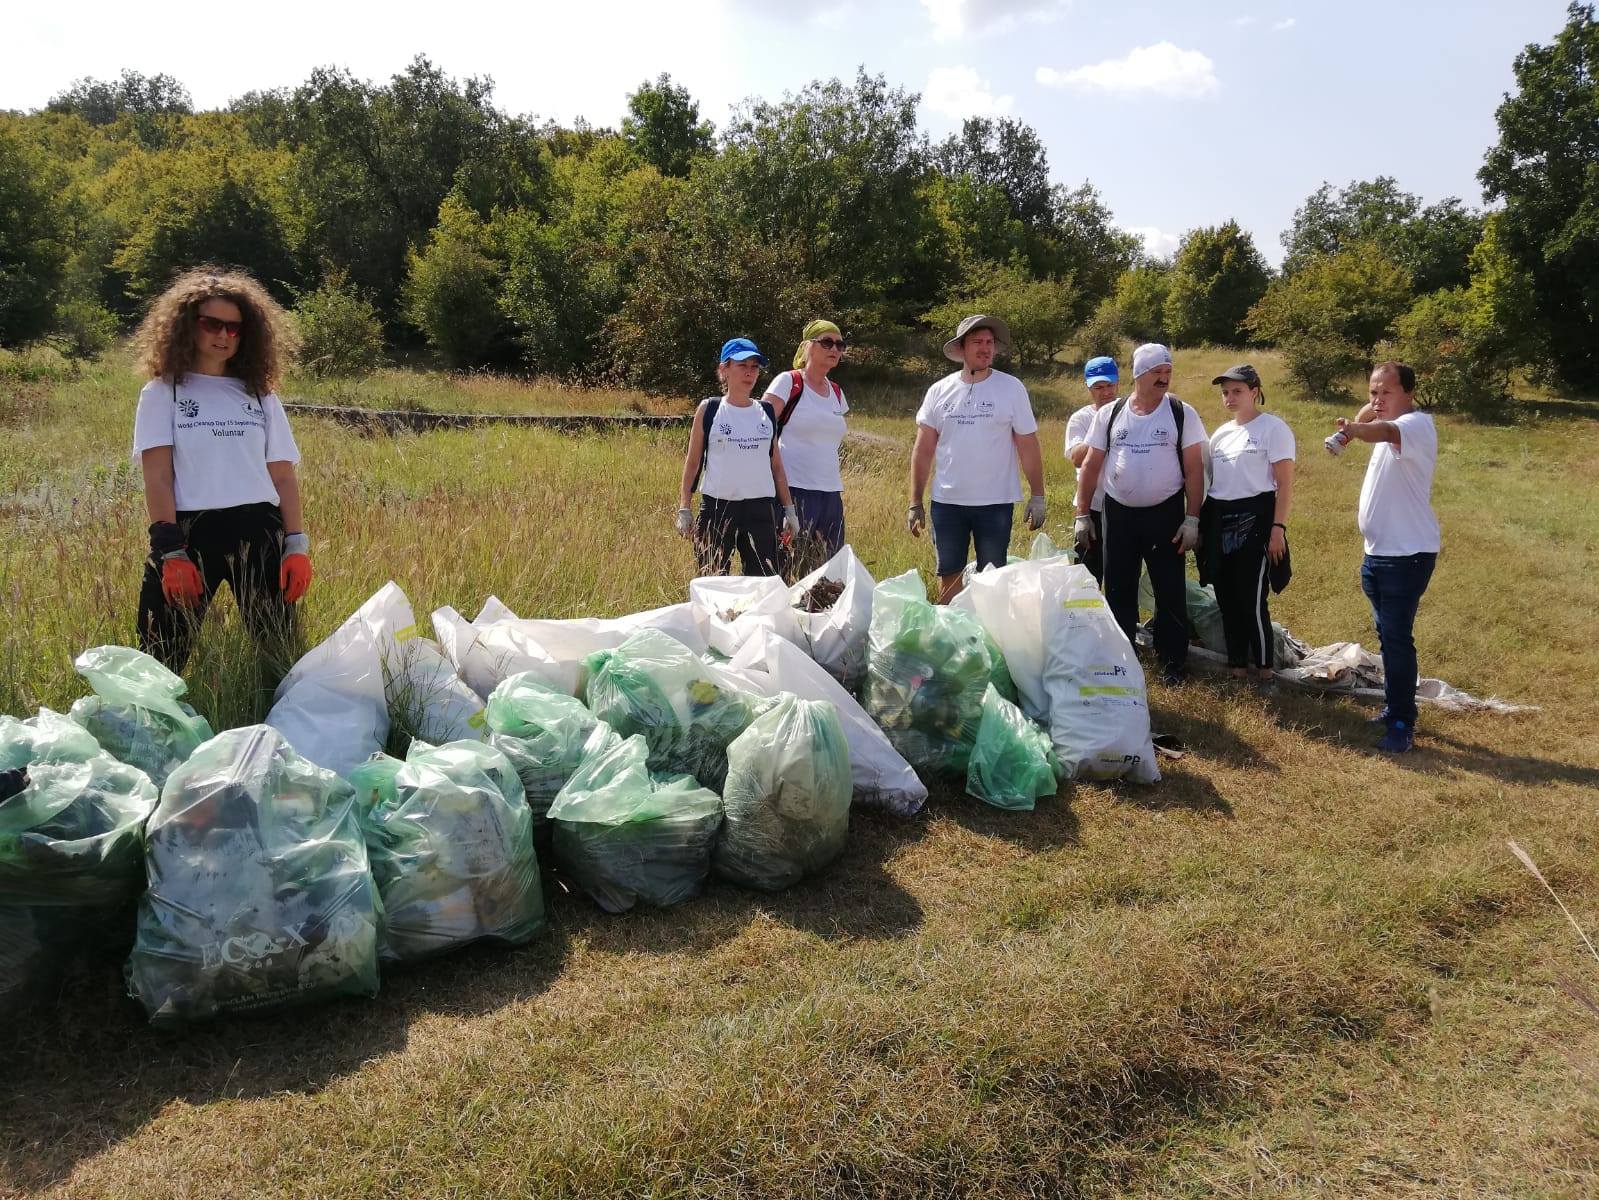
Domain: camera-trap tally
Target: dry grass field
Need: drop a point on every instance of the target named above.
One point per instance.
(1292, 968)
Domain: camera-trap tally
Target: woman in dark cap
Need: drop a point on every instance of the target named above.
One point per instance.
(1245, 519)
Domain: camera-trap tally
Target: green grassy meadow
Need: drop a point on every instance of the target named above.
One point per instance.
(1292, 968)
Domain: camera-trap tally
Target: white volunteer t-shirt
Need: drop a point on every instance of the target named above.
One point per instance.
(1078, 426)
(738, 453)
(1241, 456)
(976, 462)
(1396, 516)
(1142, 467)
(221, 436)
(812, 435)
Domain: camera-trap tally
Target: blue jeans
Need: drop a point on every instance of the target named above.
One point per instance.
(985, 526)
(1394, 584)
(821, 514)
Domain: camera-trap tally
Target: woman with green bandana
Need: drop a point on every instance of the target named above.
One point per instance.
(810, 411)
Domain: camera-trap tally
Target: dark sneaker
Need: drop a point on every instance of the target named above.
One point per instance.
(1173, 676)
(1400, 739)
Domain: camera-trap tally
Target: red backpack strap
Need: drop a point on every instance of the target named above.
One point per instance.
(838, 392)
(796, 390)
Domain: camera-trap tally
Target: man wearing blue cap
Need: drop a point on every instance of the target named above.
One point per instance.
(1099, 375)
(1148, 450)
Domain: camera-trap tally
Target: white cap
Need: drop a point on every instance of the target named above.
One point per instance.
(1149, 356)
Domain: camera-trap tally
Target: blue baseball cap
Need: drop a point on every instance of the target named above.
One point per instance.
(1099, 370)
(738, 349)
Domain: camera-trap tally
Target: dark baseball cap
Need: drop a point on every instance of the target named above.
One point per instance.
(1243, 373)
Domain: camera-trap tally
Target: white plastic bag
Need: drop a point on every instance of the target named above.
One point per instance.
(729, 608)
(1098, 712)
(331, 706)
(836, 638)
(424, 692)
(880, 776)
(564, 644)
(486, 653)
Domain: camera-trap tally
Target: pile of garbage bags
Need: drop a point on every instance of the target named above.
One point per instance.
(409, 795)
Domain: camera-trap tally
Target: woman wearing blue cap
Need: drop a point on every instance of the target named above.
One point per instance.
(733, 456)
(1100, 377)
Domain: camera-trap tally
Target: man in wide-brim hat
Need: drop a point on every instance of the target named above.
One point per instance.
(975, 435)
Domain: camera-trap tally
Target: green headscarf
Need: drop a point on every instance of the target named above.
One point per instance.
(812, 331)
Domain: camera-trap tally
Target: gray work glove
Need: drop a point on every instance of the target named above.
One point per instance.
(791, 520)
(1335, 442)
(1034, 515)
(685, 521)
(1083, 530)
(915, 519)
(1188, 536)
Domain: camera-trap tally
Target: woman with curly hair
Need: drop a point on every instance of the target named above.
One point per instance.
(218, 462)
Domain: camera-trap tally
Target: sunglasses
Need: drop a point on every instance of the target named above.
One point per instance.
(828, 343)
(217, 325)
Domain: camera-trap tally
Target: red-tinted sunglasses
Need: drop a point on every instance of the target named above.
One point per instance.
(217, 325)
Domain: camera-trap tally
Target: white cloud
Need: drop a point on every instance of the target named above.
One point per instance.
(1162, 69)
(959, 92)
(954, 19)
(1284, 24)
(1157, 242)
(830, 18)
(1243, 22)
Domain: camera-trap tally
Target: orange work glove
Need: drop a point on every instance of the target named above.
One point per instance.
(180, 581)
(294, 577)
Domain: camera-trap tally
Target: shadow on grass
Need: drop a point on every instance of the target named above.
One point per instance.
(90, 1070)
(1438, 754)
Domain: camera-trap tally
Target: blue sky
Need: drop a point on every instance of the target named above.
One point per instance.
(1181, 114)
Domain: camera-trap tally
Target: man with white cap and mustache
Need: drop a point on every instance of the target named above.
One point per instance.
(976, 427)
(1148, 448)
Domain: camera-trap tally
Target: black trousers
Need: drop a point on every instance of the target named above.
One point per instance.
(750, 526)
(242, 547)
(1237, 533)
(1142, 537)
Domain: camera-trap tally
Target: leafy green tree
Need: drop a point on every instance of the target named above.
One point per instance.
(1135, 310)
(373, 164)
(205, 205)
(1545, 171)
(1005, 154)
(1038, 311)
(1439, 337)
(102, 101)
(834, 175)
(1088, 244)
(33, 241)
(663, 127)
(452, 289)
(699, 276)
(340, 333)
(1328, 316)
(1216, 279)
(1433, 243)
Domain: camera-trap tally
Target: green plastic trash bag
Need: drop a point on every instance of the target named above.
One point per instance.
(47, 737)
(1014, 761)
(652, 685)
(259, 892)
(625, 834)
(135, 713)
(1201, 611)
(71, 858)
(542, 731)
(787, 797)
(450, 841)
(927, 670)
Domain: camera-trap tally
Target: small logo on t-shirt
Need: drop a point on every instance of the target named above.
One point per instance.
(725, 428)
(189, 407)
(1121, 435)
(252, 406)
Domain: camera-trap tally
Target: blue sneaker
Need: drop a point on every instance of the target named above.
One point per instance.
(1400, 739)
